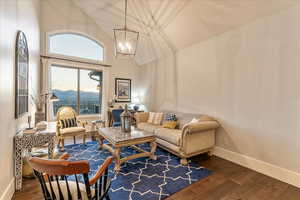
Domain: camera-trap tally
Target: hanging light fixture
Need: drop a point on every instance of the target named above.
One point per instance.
(126, 40)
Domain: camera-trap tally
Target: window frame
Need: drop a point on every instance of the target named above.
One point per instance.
(78, 88)
(48, 53)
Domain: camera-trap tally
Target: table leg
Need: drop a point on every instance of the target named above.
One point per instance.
(18, 167)
(100, 141)
(117, 152)
(153, 149)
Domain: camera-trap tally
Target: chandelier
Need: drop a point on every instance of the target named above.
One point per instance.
(126, 40)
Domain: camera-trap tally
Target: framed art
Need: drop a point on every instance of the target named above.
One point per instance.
(21, 76)
(123, 90)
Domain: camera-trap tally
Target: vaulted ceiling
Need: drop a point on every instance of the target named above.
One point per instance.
(168, 25)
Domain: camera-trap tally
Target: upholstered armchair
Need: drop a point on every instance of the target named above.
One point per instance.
(116, 113)
(60, 179)
(67, 125)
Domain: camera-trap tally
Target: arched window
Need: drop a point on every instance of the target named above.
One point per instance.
(75, 45)
(77, 86)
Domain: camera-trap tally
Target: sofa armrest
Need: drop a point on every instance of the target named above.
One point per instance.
(200, 126)
(198, 137)
(141, 117)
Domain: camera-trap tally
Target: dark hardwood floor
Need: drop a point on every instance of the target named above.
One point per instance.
(228, 182)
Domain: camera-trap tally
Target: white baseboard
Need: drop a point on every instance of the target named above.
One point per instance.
(268, 169)
(9, 191)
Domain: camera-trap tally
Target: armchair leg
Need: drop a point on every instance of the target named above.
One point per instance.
(84, 138)
(74, 138)
(58, 143)
(62, 144)
(183, 161)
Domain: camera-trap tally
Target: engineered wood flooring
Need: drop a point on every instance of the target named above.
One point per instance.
(228, 182)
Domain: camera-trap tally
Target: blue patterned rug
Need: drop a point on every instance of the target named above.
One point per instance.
(142, 178)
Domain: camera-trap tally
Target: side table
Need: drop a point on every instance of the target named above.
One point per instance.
(27, 142)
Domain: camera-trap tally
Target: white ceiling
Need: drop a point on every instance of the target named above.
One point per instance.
(168, 25)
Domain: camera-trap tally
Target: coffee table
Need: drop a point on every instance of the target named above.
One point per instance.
(118, 139)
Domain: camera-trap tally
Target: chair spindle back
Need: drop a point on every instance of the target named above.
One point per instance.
(57, 177)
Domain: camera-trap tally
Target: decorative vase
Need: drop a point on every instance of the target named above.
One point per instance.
(136, 107)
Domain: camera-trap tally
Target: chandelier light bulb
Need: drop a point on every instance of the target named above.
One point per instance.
(128, 45)
(121, 46)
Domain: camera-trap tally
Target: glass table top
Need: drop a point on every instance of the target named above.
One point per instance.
(116, 135)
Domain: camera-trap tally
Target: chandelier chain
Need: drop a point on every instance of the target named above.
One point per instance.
(125, 14)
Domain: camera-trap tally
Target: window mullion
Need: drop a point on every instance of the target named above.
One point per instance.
(78, 91)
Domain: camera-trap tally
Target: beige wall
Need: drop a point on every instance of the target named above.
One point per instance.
(158, 85)
(64, 15)
(15, 15)
(249, 79)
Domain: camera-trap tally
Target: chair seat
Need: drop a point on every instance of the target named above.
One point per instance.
(71, 130)
(116, 124)
(72, 187)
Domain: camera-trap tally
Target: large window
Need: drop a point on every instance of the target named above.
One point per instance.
(78, 88)
(75, 45)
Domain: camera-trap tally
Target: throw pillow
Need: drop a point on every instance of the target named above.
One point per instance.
(194, 120)
(170, 117)
(151, 117)
(170, 124)
(158, 118)
(67, 123)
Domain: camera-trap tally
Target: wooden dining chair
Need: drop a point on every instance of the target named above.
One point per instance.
(57, 177)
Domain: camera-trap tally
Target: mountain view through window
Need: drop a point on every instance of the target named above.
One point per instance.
(77, 88)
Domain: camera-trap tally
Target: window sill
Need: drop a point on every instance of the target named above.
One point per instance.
(90, 117)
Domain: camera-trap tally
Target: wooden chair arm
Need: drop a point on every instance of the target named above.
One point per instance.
(82, 123)
(101, 170)
(65, 156)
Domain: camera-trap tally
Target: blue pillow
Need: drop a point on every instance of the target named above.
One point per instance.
(170, 117)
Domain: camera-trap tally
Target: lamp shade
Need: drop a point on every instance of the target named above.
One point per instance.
(54, 98)
(126, 41)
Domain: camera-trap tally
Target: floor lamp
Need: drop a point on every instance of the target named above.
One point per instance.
(52, 98)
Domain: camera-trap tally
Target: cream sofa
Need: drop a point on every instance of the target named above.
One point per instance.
(188, 140)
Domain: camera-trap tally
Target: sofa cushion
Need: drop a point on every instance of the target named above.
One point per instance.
(168, 146)
(170, 135)
(148, 127)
